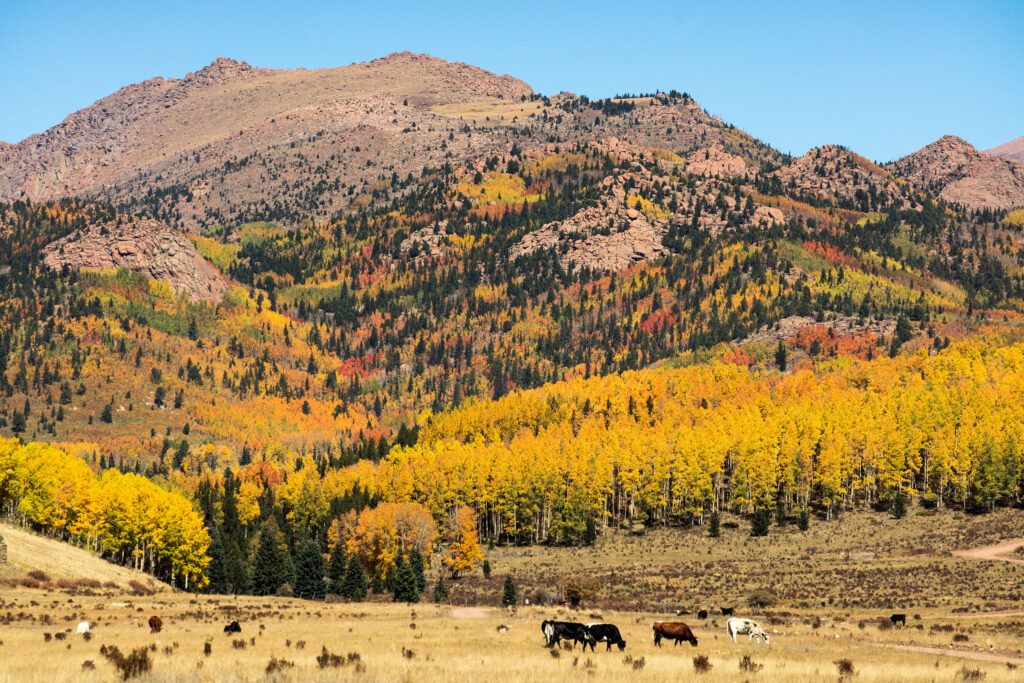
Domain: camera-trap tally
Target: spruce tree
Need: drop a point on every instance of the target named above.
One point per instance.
(336, 568)
(268, 566)
(378, 586)
(714, 525)
(354, 586)
(216, 571)
(391, 576)
(416, 562)
(309, 572)
(508, 599)
(803, 520)
(405, 582)
(899, 506)
(589, 531)
(440, 590)
(762, 522)
(487, 569)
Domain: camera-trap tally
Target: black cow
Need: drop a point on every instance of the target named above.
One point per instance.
(233, 627)
(727, 611)
(703, 614)
(607, 633)
(900, 619)
(557, 631)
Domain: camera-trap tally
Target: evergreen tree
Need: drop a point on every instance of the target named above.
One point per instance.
(238, 571)
(714, 525)
(440, 590)
(487, 569)
(803, 520)
(508, 598)
(378, 586)
(405, 589)
(762, 522)
(216, 571)
(354, 586)
(107, 414)
(899, 506)
(391, 577)
(416, 562)
(336, 568)
(269, 572)
(780, 512)
(309, 572)
(590, 531)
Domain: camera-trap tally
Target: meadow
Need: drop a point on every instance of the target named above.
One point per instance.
(963, 624)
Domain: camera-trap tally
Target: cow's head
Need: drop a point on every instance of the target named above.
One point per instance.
(622, 645)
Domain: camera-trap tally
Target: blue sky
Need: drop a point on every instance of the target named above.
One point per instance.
(883, 78)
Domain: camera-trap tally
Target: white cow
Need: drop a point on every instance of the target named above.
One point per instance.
(738, 626)
(83, 627)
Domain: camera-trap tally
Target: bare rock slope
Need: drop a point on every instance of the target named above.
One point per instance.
(955, 171)
(145, 246)
(1011, 151)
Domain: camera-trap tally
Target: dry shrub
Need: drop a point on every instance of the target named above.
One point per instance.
(960, 638)
(845, 667)
(555, 653)
(39, 575)
(88, 665)
(408, 654)
(275, 665)
(701, 664)
(328, 659)
(749, 665)
(238, 644)
(970, 675)
(639, 664)
(136, 587)
(135, 664)
(207, 648)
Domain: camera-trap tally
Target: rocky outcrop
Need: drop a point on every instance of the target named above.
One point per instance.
(837, 175)
(145, 246)
(954, 170)
(716, 162)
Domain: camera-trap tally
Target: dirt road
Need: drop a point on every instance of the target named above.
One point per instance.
(964, 654)
(999, 551)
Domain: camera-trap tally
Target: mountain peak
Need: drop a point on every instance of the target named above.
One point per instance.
(221, 70)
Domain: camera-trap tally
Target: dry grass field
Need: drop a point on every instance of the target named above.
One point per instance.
(964, 623)
(490, 109)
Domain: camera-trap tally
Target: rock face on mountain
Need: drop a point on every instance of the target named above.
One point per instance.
(836, 174)
(1011, 151)
(233, 143)
(145, 246)
(955, 171)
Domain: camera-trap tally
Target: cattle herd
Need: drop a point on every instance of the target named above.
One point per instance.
(570, 632)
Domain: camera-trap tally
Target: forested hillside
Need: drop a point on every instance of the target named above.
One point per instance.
(537, 341)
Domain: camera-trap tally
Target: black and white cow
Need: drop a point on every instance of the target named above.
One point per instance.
(900, 619)
(557, 631)
(606, 633)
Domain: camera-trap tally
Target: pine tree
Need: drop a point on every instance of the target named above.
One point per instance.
(780, 356)
(268, 567)
(508, 598)
(440, 590)
(107, 414)
(336, 568)
(714, 525)
(803, 520)
(590, 531)
(487, 569)
(416, 562)
(309, 572)
(216, 571)
(405, 589)
(899, 506)
(762, 522)
(378, 586)
(354, 586)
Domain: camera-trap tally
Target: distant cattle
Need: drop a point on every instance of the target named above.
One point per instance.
(673, 630)
(900, 619)
(604, 633)
(682, 612)
(739, 626)
(233, 627)
(727, 611)
(155, 624)
(83, 627)
(703, 614)
(557, 631)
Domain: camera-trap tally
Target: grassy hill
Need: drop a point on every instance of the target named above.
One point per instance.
(28, 552)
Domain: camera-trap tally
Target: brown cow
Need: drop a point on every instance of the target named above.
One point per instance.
(673, 630)
(155, 624)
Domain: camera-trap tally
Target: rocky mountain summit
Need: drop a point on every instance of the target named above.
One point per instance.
(145, 246)
(836, 174)
(951, 168)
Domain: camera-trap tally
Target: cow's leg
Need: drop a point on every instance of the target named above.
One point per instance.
(657, 639)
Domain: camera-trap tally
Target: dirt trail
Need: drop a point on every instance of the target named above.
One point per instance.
(965, 654)
(999, 551)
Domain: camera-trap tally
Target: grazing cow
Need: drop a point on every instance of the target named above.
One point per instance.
(155, 624)
(738, 626)
(233, 627)
(900, 619)
(673, 630)
(727, 611)
(606, 633)
(557, 631)
(83, 627)
(703, 614)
